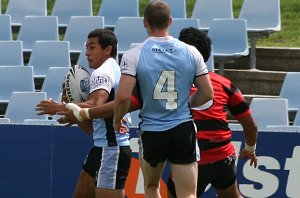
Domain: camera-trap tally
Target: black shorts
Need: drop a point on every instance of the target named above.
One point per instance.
(220, 174)
(177, 145)
(109, 166)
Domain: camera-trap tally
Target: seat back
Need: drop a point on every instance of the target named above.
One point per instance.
(54, 79)
(15, 78)
(18, 9)
(297, 119)
(207, 10)
(290, 90)
(261, 15)
(179, 23)
(4, 121)
(64, 9)
(82, 60)
(5, 30)
(269, 111)
(22, 106)
(36, 28)
(111, 10)
(11, 53)
(129, 30)
(47, 54)
(78, 29)
(229, 37)
(178, 8)
(210, 63)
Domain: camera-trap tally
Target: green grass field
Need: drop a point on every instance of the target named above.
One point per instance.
(289, 36)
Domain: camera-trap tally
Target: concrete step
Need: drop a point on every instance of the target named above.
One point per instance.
(256, 82)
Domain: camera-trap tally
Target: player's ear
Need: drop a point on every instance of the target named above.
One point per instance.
(108, 50)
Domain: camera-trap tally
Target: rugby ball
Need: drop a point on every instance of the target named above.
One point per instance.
(77, 84)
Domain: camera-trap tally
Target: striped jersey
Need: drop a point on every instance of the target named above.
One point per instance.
(107, 77)
(213, 134)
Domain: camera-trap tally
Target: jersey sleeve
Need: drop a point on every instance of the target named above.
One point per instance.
(129, 61)
(102, 79)
(237, 104)
(201, 67)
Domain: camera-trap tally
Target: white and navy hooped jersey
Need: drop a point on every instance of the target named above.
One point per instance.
(107, 77)
(165, 69)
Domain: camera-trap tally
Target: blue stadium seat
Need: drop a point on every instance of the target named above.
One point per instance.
(229, 39)
(11, 53)
(296, 121)
(207, 10)
(22, 106)
(178, 8)
(78, 29)
(15, 78)
(270, 111)
(289, 90)
(18, 9)
(180, 23)
(47, 54)
(263, 18)
(5, 30)
(129, 30)
(211, 62)
(111, 10)
(36, 28)
(4, 121)
(54, 79)
(82, 60)
(65, 9)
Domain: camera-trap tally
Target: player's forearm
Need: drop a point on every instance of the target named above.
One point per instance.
(250, 130)
(121, 108)
(103, 111)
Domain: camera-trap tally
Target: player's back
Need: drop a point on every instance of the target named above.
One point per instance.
(166, 70)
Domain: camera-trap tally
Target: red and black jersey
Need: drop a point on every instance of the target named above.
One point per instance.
(214, 136)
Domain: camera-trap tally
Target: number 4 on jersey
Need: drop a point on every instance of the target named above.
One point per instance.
(166, 78)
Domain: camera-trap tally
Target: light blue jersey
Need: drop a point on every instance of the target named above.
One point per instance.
(107, 77)
(165, 69)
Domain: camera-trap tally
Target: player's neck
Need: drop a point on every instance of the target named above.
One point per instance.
(159, 33)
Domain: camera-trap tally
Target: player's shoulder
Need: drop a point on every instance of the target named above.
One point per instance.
(219, 78)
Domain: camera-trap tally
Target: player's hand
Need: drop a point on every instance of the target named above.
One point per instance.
(244, 154)
(124, 126)
(68, 118)
(47, 107)
(117, 125)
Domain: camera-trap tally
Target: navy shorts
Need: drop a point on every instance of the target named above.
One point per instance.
(109, 166)
(177, 145)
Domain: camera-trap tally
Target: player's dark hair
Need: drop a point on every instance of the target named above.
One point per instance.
(197, 38)
(157, 14)
(106, 38)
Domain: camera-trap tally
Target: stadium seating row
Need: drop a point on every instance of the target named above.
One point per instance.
(21, 78)
(222, 51)
(270, 113)
(224, 32)
(262, 20)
